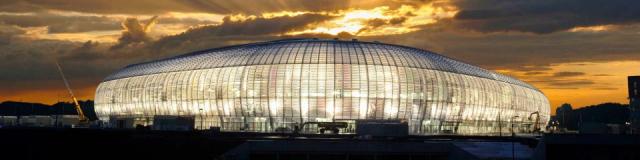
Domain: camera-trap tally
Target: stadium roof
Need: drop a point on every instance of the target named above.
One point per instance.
(311, 51)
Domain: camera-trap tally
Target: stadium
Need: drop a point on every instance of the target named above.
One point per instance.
(278, 85)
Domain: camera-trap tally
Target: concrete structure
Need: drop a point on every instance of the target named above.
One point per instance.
(173, 123)
(65, 120)
(36, 121)
(261, 87)
(381, 128)
(8, 121)
(124, 122)
(39, 121)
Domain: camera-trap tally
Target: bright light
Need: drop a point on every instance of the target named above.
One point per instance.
(356, 22)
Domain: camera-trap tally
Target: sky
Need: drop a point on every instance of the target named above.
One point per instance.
(575, 51)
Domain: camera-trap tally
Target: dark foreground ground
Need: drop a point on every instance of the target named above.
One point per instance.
(89, 144)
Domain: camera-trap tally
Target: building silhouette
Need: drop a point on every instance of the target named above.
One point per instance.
(634, 102)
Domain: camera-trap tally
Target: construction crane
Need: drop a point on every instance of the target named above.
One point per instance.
(81, 117)
(536, 126)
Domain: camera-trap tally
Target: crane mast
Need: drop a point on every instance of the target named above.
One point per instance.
(81, 117)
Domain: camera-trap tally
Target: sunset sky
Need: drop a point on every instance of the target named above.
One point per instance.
(575, 51)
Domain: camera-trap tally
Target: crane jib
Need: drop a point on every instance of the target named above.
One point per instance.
(81, 115)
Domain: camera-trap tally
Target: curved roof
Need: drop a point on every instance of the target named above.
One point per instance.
(311, 51)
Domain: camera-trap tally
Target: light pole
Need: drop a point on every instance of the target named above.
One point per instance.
(513, 138)
(499, 125)
(628, 128)
(201, 120)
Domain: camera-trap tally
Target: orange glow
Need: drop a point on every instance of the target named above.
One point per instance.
(609, 82)
(49, 96)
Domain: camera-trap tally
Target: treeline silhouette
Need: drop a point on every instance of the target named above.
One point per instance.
(611, 113)
(11, 108)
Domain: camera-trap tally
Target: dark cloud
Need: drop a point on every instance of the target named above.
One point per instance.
(262, 26)
(605, 88)
(378, 22)
(135, 32)
(29, 64)
(602, 75)
(568, 88)
(29, 60)
(568, 74)
(8, 32)
(31, 70)
(234, 32)
(397, 20)
(185, 21)
(61, 24)
(568, 83)
(543, 16)
(86, 52)
(579, 64)
(530, 73)
(522, 51)
(209, 6)
(32, 59)
(514, 51)
(57, 23)
(558, 80)
(341, 35)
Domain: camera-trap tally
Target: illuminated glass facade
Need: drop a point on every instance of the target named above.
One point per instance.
(280, 84)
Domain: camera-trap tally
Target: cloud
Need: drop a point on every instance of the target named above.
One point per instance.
(568, 83)
(543, 16)
(566, 88)
(568, 74)
(234, 32)
(522, 51)
(602, 75)
(68, 22)
(88, 51)
(605, 88)
(7, 33)
(187, 21)
(209, 6)
(28, 64)
(30, 60)
(555, 83)
(378, 22)
(262, 26)
(531, 73)
(135, 32)
(61, 24)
